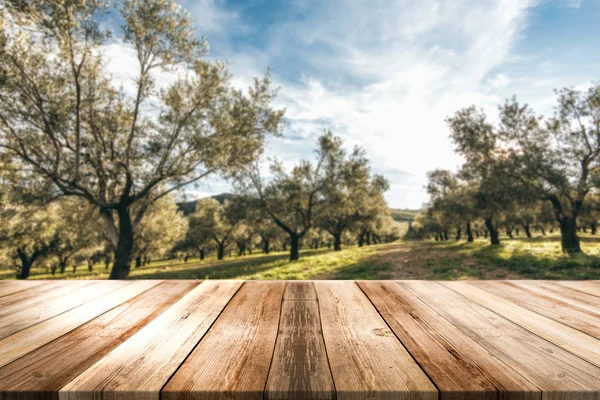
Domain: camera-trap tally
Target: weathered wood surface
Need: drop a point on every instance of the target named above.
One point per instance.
(476, 340)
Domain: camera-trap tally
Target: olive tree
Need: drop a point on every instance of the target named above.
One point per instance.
(351, 196)
(63, 120)
(560, 159)
(292, 198)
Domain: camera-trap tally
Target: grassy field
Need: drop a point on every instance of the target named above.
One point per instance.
(519, 258)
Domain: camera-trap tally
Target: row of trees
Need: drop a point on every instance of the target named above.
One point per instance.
(522, 171)
(89, 164)
(335, 194)
(332, 201)
(67, 131)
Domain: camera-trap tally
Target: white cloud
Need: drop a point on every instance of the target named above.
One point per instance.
(499, 81)
(571, 3)
(391, 72)
(384, 74)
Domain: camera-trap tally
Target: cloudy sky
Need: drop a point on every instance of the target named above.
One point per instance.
(385, 74)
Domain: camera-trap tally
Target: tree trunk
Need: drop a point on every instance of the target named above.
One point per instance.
(584, 229)
(527, 230)
(494, 237)
(294, 247)
(568, 236)
(124, 249)
(138, 261)
(266, 246)
(361, 240)
(458, 233)
(25, 267)
(90, 265)
(469, 233)
(593, 228)
(445, 232)
(543, 230)
(63, 265)
(337, 242)
(202, 254)
(221, 251)
(509, 233)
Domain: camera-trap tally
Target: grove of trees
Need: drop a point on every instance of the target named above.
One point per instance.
(90, 166)
(522, 173)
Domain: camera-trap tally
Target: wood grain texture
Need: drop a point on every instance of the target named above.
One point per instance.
(518, 340)
(52, 306)
(38, 335)
(141, 366)
(458, 365)
(232, 361)
(300, 369)
(10, 287)
(41, 373)
(592, 288)
(585, 346)
(569, 295)
(558, 373)
(577, 318)
(366, 358)
(36, 295)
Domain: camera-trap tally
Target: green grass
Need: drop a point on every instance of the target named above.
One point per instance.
(314, 264)
(519, 258)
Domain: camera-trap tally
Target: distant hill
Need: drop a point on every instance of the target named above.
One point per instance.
(404, 215)
(188, 207)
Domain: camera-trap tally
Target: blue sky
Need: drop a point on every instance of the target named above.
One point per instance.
(385, 74)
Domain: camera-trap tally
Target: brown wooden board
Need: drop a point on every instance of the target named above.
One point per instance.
(563, 293)
(234, 357)
(457, 364)
(44, 371)
(577, 318)
(300, 369)
(584, 346)
(592, 288)
(10, 287)
(518, 340)
(141, 366)
(558, 373)
(38, 335)
(17, 320)
(366, 358)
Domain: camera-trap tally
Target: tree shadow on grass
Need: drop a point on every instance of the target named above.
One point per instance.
(229, 269)
(534, 266)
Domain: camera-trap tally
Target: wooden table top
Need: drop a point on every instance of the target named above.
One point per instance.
(300, 340)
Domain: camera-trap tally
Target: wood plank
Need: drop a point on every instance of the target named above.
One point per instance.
(590, 287)
(300, 369)
(25, 298)
(577, 298)
(50, 307)
(233, 359)
(558, 373)
(366, 358)
(38, 335)
(10, 287)
(570, 339)
(44, 371)
(142, 365)
(458, 365)
(584, 321)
